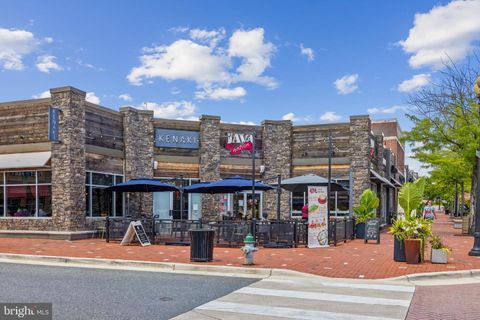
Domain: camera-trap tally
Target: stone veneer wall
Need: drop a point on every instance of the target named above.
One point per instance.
(360, 127)
(138, 138)
(277, 159)
(209, 162)
(68, 160)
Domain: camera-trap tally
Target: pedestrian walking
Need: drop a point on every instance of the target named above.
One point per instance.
(305, 212)
(429, 211)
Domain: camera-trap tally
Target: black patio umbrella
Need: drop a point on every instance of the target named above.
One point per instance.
(227, 185)
(301, 183)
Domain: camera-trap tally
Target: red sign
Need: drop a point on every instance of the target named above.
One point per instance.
(239, 148)
(237, 143)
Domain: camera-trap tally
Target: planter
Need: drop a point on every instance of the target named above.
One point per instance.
(398, 250)
(439, 256)
(360, 230)
(412, 250)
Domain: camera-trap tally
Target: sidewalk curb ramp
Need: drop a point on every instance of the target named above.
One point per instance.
(212, 269)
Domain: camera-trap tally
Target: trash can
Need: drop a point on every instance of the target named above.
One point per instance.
(201, 245)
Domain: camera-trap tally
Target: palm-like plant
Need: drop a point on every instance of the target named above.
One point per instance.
(410, 196)
(368, 204)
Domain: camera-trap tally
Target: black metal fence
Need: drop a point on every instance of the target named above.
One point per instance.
(231, 233)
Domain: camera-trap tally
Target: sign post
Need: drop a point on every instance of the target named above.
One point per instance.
(135, 229)
(317, 217)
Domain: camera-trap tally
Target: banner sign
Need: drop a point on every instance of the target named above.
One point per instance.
(166, 138)
(53, 123)
(239, 142)
(135, 229)
(317, 217)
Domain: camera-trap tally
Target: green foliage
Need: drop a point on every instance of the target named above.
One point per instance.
(369, 202)
(410, 196)
(398, 228)
(436, 243)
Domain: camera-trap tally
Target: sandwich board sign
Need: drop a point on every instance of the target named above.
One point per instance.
(372, 230)
(135, 229)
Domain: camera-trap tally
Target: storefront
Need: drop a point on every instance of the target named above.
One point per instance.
(57, 156)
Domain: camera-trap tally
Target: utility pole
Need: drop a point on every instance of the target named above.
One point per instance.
(476, 244)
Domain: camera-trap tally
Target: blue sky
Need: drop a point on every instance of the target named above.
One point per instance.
(309, 61)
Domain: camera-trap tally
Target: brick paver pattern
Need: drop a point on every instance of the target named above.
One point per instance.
(353, 259)
(453, 302)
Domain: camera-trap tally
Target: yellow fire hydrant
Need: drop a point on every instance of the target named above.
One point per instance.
(248, 249)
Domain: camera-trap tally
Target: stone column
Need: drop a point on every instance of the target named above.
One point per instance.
(68, 161)
(138, 138)
(360, 128)
(209, 162)
(277, 159)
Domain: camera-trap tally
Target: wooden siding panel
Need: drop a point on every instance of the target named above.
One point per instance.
(24, 123)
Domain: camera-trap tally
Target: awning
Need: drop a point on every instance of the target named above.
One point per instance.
(398, 184)
(377, 176)
(24, 160)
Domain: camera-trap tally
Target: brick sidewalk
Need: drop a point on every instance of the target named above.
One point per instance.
(350, 260)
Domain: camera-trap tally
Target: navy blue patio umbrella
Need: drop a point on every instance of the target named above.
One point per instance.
(227, 185)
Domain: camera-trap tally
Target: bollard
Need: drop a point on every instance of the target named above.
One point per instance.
(248, 249)
(107, 227)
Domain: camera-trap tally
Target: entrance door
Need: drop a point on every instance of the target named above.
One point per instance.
(161, 204)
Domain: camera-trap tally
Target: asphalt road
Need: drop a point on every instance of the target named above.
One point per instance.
(81, 293)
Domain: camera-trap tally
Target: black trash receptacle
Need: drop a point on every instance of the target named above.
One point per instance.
(201, 245)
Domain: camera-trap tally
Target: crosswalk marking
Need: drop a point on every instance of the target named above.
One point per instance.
(383, 287)
(293, 313)
(309, 298)
(324, 296)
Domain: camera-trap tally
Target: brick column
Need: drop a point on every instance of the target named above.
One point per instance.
(277, 159)
(68, 161)
(360, 128)
(138, 137)
(209, 162)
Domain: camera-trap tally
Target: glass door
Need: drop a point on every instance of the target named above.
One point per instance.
(162, 204)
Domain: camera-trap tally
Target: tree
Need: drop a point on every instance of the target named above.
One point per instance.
(446, 131)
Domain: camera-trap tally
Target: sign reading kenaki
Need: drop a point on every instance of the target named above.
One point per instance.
(167, 138)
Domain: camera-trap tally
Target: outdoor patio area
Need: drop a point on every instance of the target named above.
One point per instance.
(353, 259)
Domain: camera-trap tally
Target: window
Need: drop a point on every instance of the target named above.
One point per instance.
(298, 201)
(26, 194)
(100, 202)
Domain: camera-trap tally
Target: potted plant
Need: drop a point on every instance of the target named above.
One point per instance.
(366, 210)
(417, 231)
(398, 231)
(439, 250)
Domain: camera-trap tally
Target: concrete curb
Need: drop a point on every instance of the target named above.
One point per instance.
(213, 270)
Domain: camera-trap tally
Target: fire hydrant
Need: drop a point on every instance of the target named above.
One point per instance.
(248, 249)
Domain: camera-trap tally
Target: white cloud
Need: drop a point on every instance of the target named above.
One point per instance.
(446, 32)
(14, 45)
(307, 52)
(221, 93)
(417, 81)
(179, 29)
(48, 39)
(389, 110)
(125, 97)
(46, 63)
(42, 95)
(91, 97)
(209, 37)
(247, 123)
(330, 116)
(289, 116)
(175, 91)
(249, 45)
(183, 59)
(172, 109)
(347, 84)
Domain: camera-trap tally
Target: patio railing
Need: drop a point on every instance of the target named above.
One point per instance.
(230, 233)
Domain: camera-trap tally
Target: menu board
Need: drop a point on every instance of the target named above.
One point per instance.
(317, 217)
(372, 230)
(135, 229)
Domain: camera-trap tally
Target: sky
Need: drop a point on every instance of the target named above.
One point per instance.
(246, 61)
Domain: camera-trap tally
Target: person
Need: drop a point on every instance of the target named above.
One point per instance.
(305, 212)
(429, 211)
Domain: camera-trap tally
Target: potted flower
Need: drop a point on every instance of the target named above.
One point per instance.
(398, 231)
(439, 250)
(366, 210)
(417, 230)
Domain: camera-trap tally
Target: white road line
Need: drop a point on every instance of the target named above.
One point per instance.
(324, 296)
(293, 313)
(382, 287)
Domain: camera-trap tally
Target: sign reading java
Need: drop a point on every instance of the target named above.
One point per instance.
(167, 138)
(239, 142)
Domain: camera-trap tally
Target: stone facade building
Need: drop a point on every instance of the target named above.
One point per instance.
(56, 186)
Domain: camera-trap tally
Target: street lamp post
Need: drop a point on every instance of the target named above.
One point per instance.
(254, 136)
(476, 245)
